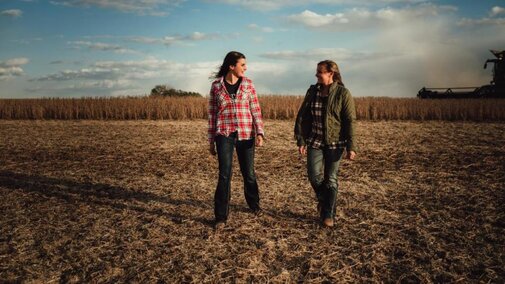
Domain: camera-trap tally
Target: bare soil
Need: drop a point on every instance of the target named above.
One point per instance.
(118, 201)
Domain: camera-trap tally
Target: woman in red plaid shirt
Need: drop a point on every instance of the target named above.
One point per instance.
(235, 123)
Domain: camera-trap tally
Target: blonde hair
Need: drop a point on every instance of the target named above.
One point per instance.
(331, 66)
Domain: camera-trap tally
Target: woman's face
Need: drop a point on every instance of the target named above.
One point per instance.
(239, 69)
(324, 76)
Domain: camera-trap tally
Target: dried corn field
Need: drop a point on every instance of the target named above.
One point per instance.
(273, 107)
(132, 201)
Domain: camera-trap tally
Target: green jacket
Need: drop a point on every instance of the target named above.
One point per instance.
(340, 120)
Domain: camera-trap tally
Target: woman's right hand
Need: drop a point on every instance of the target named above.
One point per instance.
(212, 149)
(302, 150)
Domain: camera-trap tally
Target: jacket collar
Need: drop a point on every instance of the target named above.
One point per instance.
(333, 86)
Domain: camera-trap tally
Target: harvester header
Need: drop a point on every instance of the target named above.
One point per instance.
(496, 88)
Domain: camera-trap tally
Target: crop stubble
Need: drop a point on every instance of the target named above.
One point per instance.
(133, 201)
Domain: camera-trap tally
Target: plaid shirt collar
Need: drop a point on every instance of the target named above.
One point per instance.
(241, 88)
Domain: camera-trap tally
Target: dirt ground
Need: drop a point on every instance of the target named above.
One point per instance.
(117, 201)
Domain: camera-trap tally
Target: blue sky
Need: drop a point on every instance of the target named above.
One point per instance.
(75, 48)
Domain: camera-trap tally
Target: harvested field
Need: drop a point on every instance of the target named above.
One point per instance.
(118, 201)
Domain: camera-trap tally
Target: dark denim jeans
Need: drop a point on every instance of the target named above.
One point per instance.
(324, 182)
(245, 153)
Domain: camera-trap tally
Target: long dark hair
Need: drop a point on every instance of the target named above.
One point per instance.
(230, 59)
(331, 66)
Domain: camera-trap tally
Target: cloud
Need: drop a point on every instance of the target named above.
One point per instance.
(318, 54)
(268, 5)
(355, 18)
(84, 73)
(100, 84)
(263, 29)
(482, 22)
(14, 13)
(12, 68)
(123, 77)
(496, 10)
(314, 20)
(10, 72)
(100, 46)
(430, 50)
(492, 20)
(152, 68)
(140, 7)
(92, 81)
(404, 50)
(113, 70)
(27, 40)
(89, 88)
(14, 62)
(176, 39)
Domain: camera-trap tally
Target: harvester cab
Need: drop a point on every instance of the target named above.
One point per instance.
(496, 88)
(499, 67)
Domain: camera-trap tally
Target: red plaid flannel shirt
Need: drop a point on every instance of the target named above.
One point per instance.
(227, 115)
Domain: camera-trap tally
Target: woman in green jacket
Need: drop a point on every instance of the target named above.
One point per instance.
(324, 130)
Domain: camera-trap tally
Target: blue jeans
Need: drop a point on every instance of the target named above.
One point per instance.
(245, 153)
(324, 182)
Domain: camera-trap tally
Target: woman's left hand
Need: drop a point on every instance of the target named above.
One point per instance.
(259, 140)
(351, 155)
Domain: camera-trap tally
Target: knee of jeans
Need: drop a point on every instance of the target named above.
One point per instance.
(225, 175)
(332, 183)
(315, 181)
(250, 176)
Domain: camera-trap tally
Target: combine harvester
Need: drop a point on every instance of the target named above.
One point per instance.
(496, 89)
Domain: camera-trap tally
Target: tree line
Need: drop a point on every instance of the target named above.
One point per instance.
(166, 91)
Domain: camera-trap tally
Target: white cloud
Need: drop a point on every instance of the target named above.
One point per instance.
(314, 20)
(140, 7)
(405, 49)
(276, 77)
(12, 68)
(496, 10)
(27, 40)
(268, 5)
(14, 13)
(263, 29)
(362, 18)
(492, 20)
(10, 72)
(175, 39)
(100, 46)
(122, 77)
(84, 73)
(199, 36)
(258, 39)
(89, 88)
(100, 84)
(482, 22)
(146, 64)
(14, 62)
(318, 54)
(151, 68)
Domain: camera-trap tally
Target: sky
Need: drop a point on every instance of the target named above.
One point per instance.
(85, 48)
